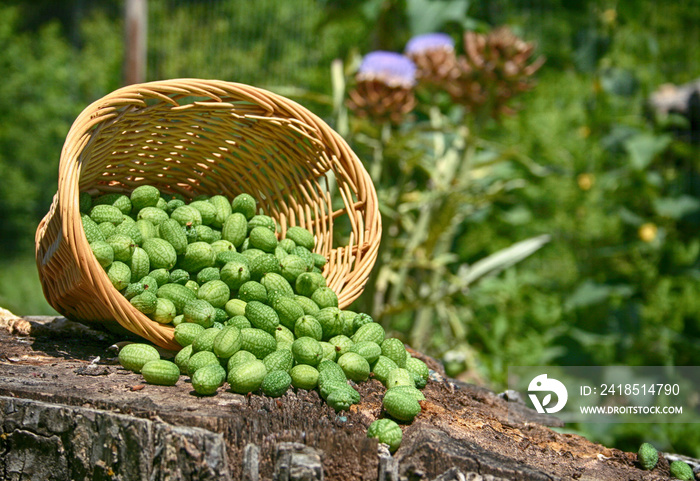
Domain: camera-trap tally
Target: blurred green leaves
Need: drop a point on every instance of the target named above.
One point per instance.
(425, 16)
(643, 148)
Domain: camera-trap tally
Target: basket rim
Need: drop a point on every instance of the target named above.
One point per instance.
(136, 95)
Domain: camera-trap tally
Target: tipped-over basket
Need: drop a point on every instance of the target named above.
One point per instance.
(193, 136)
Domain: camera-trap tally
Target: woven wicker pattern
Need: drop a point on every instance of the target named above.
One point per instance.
(196, 137)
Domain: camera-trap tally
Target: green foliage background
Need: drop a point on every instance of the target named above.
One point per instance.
(581, 161)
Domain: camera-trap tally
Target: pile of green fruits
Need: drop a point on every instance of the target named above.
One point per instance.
(250, 308)
(648, 457)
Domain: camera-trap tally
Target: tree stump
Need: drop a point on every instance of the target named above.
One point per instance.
(68, 411)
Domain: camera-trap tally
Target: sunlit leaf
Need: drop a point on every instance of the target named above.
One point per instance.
(502, 259)
(590, 293)
(425, 16)
(676, 207)
(643, 148)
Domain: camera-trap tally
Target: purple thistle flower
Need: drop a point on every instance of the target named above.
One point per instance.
(429, 41)
(391, 68)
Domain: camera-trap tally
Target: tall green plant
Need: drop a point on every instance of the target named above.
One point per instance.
(433, 169)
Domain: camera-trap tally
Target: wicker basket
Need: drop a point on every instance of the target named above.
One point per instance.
(194, 137)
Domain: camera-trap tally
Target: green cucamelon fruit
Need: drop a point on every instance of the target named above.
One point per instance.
(681, 470)
(107, 229)
(360, 320)
(331, 321)
(369, 332)
(187, 215)
(161, 253)
(235, 274)
(301, 237)
(182, 358)
(115, 199)
(106, 213)
(92, 231)
(395, 350)
(276, 383)
(261, 220)
(222, 209)
(227, 342)
(307, 283)
(128, 228)
(235, 229)
(262, 264)
(263, 238)
(386, 431)
(235, 307)
(341, 399)
(341, 343)
(419, 370)
(367, 349)
(647, 456)
(280, 360)
(171, 231)
(122, 245)
(161, 275)
(119, 275)
(309, 306)
(275, 282)
(399, 377)
(258, 342)
(304, 376)
(410, 390)
(238, 321)
(209, 274)
(197, 256)
(139, 264)
(134, 356)
(382, 367)
(307, 350)
(144, 196)
(215, 292)
(162, 372)
(307, 325)
(244, 204)
(134, 289)
(354, 366)
(103, 252)
(200, 312)
(206, 210)
(187, 332)
(241, 357)
(200, 359)
(400, 405)
(207, 379)
(146, 302)
(179, 276)
(252, 291)
(262, 316)
(247, 377)
(288, 312)
(153, 214)
(178, 294)
(205, 341)
(325, 297)
(165, 311)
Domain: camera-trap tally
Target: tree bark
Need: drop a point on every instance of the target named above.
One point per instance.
(68, 411)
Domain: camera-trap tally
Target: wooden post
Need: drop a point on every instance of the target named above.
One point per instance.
(135, 28)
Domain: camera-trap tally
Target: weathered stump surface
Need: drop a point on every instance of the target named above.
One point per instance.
(66, 415)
